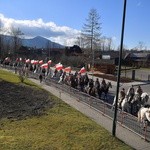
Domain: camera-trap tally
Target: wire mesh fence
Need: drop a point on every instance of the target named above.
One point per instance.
(124, 119)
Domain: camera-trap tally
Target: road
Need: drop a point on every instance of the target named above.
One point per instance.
(143, 76)
(126, 120)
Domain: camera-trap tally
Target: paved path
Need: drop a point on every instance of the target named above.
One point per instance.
(125, 135)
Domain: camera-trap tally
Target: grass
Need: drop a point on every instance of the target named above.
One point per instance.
(14, 78)
(61, 128)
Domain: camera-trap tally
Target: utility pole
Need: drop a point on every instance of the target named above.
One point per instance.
(119, 71)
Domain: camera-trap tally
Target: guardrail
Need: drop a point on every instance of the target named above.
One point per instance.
(124, 119)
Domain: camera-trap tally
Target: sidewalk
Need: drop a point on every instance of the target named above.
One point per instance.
(123, 134)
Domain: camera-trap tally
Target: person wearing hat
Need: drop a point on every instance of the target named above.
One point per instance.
(103, 83)
(130, 93)
(91, 84)
(122, 95)
(139, 90)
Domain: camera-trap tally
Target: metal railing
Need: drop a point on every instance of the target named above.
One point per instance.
(124, 119)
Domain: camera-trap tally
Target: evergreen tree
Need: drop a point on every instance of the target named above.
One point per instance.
(92, 31)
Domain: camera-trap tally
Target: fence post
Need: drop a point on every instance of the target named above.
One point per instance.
(149, 77)
(60, 94)
(133, 74)
(104, 109)
(145, 131)
(122, 114)
(90, 101)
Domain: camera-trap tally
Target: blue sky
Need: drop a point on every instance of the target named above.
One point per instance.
(62, 20)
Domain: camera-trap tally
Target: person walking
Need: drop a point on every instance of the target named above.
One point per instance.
(41, 78)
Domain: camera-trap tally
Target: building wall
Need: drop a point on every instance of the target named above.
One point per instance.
(105, 68)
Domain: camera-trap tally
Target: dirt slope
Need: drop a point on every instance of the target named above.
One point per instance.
(20, 101)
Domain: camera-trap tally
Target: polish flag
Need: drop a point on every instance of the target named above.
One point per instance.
(34, 62)
(28, 60)
(17, 59)
(82, 70)
(44, 65)
(59, 66)
(20, 59)
(67, 69)
(7, 59)
(49, 62)
(41, 62)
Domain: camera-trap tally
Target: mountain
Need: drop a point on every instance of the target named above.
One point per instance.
(40, 42)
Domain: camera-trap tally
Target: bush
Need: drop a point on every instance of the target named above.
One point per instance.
(21, 78)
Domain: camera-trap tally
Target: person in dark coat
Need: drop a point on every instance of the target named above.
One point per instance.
(40, 77)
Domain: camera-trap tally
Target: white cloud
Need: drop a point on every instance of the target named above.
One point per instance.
(31, 28)
(114, 38)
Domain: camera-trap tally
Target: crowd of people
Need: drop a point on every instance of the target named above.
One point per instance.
(130, 92)
(78, 80)
(132, 96)
(75, 80)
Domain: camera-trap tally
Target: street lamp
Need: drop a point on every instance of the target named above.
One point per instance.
(119, 70)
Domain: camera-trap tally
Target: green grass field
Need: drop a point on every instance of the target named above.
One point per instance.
(61, 128)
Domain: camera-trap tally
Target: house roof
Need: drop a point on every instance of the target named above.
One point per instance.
(113, 54)
(104, 61)
(137, 55)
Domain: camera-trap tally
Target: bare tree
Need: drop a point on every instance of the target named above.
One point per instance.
(124, 47)
(141, 45)
(109, 43)
(81, 41)
(0, 39)
(103, 43)
(49, 47)
(2, 30)
(16, 33)
(4, 42)
(92, 31)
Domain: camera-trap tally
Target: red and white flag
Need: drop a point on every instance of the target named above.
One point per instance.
(59, 66)
(44, 65)
(34, 62)
(7, 59)
(17, 59)
(49, 62)
(28, 60)
(67, 69)
(82, 70)
(20, 59)
(41, 62)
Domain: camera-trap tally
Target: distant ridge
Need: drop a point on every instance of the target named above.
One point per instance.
(36, 42)
(40, 42)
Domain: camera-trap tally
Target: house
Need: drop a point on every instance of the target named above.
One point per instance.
(106, 61)
(106, 66)
(138, 59)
